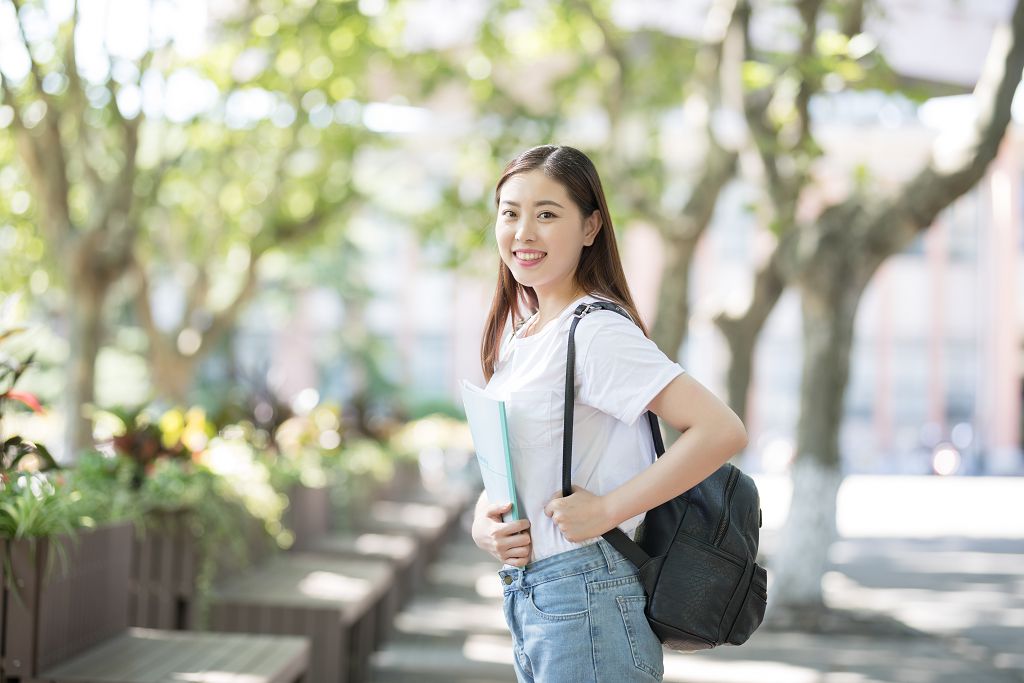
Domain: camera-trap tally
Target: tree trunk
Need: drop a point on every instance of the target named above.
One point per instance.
(741, 334)
(681, 240)
(84, 336)
(173, 374)
(799, 563)
(673, 296)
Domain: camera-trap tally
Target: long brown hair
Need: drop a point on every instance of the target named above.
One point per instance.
(599, 271)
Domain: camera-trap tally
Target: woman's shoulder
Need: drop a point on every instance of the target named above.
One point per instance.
(606, 322)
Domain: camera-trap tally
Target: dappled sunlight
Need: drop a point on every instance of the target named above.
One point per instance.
(912, 558)
(496, 649)
(467, 574)
(218, 677)
(333, 586)
(446, 616)
(384, 544)
(488, 586)
(926, 609)
(689, 669)
(418, 515)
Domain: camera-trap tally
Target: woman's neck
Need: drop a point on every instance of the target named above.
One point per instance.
(550, 307)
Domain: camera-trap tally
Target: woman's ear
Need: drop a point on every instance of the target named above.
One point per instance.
(591, 226)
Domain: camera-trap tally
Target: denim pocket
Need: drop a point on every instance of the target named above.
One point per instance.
(561, 599)
(644, 645)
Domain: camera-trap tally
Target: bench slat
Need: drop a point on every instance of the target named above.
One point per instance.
(350, 585)
(148, 656)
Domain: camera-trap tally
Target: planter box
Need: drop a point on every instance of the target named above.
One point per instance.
(53, 609)
(67, 622)
(259, 547)
(3, 597)
(165, 566)
(308, 515)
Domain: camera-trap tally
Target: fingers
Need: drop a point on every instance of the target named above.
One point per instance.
(516, 527)
(515, 548)
(497, 510)
(518, 561)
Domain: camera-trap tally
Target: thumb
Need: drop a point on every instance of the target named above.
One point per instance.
(497, 509)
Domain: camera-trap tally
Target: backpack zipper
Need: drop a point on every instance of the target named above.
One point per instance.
(724, 524)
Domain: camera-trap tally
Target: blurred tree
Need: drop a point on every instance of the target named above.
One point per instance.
(271, 167)
(77, 135)
(831, 259)
(565, 72)
(643, 77)
(186, 170)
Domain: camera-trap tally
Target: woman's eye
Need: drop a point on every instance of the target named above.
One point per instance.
(508, 213)
(546, 214)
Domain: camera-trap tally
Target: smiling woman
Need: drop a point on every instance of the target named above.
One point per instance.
(573, 603)
(541, 233)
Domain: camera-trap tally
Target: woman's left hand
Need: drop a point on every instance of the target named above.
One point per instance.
(581, 516)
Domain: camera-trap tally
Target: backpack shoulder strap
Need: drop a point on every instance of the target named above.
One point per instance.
(615, 537)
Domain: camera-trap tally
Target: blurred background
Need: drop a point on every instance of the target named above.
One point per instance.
(267, 227)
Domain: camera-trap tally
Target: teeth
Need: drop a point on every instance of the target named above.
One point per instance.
(530, 257)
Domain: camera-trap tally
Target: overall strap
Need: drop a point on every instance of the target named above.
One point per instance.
(619, 540)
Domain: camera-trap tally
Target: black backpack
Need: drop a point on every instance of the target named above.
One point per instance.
(695, 552)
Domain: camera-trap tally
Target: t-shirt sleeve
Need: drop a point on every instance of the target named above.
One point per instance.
(620, 371)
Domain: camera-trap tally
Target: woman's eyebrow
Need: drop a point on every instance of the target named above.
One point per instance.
(542, 202)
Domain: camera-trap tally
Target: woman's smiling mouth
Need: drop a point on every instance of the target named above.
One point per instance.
(528, 258)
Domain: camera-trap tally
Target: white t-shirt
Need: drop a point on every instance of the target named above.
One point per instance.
(619, 371)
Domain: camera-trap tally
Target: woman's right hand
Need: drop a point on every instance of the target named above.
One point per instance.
(509, 542)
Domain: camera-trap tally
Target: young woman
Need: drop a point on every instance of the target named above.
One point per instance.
(573, 604)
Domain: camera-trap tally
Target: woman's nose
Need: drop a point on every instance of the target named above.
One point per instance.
(524, 230)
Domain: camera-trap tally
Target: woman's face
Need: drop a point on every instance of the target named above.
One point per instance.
(541, 232)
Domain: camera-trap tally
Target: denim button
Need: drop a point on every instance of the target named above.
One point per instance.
(507, 580)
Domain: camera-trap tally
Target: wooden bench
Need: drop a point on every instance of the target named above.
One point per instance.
(335, 601)
(149, 655)
(429, 523)
(400, 549)
(73, 625)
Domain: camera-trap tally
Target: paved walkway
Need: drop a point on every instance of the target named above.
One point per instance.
(963, 598)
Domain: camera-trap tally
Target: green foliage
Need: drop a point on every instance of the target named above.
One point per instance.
(32, 505)
(102, 489)
(17, 452)
(435, 431)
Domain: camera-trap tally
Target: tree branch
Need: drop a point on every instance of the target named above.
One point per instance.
(809, 81)
(144, 312)
(618, 92)
(225, 319)
(46, 159)
(944, 178)
(851, 18)
(783, 190)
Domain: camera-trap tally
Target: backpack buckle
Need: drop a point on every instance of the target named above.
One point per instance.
(586, 308)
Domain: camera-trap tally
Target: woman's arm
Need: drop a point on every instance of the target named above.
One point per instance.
(711, 434)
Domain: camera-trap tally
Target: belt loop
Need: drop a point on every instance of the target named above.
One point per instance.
(606, 550)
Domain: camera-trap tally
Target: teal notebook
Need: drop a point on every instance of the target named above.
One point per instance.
(488, 424)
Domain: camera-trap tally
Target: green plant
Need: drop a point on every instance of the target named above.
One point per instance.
(102, 489)
(15, 450)
(32, 505)
(435, 431)
(139, 436)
